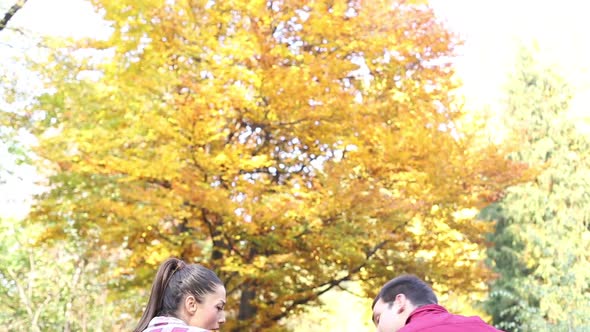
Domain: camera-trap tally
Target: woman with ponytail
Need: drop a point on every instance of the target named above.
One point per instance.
(184, 297)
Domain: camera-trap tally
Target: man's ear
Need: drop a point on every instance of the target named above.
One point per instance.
(190, 304)
(401, 301)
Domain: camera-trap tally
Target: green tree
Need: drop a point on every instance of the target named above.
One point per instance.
(52, 287)
(542, 240)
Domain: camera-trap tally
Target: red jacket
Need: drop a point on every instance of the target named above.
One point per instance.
(434, 318)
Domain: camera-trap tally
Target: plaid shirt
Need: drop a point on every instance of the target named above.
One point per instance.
(170, 324)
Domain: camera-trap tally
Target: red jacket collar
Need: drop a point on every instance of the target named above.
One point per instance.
(425, 310)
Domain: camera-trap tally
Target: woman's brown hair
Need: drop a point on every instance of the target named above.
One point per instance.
(174, 281)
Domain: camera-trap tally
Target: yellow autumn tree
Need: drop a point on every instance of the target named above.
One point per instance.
(289, 145)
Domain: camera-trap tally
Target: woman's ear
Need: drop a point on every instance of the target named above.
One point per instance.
(190, 304)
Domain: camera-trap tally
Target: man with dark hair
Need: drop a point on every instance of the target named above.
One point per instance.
(408, 304)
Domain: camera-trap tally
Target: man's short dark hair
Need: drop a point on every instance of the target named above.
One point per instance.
(416, 290)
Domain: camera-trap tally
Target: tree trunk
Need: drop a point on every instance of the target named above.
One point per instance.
(247, 310)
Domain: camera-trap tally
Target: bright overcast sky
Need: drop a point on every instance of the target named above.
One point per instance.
(490, 28)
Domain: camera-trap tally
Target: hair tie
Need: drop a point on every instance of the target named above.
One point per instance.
(179, 266)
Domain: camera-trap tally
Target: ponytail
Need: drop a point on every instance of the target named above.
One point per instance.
(176, 279)
(154, 306)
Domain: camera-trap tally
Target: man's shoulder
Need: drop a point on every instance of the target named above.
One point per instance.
(447, 322)
(471, 323)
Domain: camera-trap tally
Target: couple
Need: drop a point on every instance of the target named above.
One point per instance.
(191, 298)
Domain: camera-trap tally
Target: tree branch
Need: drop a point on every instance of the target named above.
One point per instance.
(325, 287)
(17, 6)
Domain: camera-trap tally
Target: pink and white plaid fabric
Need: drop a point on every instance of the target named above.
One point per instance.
(170, 324)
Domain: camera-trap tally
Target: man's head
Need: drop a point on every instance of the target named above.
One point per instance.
(396, 301)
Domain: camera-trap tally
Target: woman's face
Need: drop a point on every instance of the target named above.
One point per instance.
(210, 312)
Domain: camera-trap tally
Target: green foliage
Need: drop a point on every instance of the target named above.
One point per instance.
(542, 240)
(52, 287)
